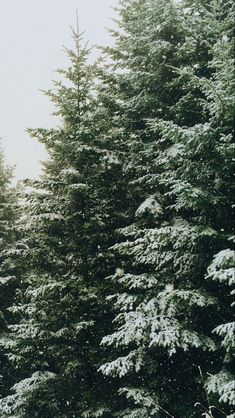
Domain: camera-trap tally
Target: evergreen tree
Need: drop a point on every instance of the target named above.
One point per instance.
(73, 213)
(8, 265)
(180, 140)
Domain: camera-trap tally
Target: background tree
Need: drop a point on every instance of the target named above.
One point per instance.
(9, 269)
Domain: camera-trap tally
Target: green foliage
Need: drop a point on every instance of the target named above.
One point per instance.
(125, 249)
(71, 216)
(180, 168)
(10, 246)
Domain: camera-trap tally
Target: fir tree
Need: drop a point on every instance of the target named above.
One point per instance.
(73, 213)
(166, 310)
(8, 266)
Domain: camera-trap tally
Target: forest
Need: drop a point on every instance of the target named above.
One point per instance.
(117, 265)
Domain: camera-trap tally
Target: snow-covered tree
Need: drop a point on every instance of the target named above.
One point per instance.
(180, 166)
(9, 269)
(73, 213)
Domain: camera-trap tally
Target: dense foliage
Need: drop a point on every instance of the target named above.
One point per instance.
(166, 309)
(125, 264)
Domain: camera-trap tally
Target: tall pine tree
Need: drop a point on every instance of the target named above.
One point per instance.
(9, 269)
(73, 213)
(180, 167)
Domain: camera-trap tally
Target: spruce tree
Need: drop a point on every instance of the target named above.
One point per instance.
(166, 307)
(9, 279)
(73, 213)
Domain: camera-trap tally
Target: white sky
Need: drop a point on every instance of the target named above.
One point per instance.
(32, 36)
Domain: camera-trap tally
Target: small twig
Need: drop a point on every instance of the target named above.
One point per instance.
(203, 383)
(77, 22)
(163, 410)
(208, 411)
(220, 410)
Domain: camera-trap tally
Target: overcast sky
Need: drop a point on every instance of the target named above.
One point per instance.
(32, 35)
